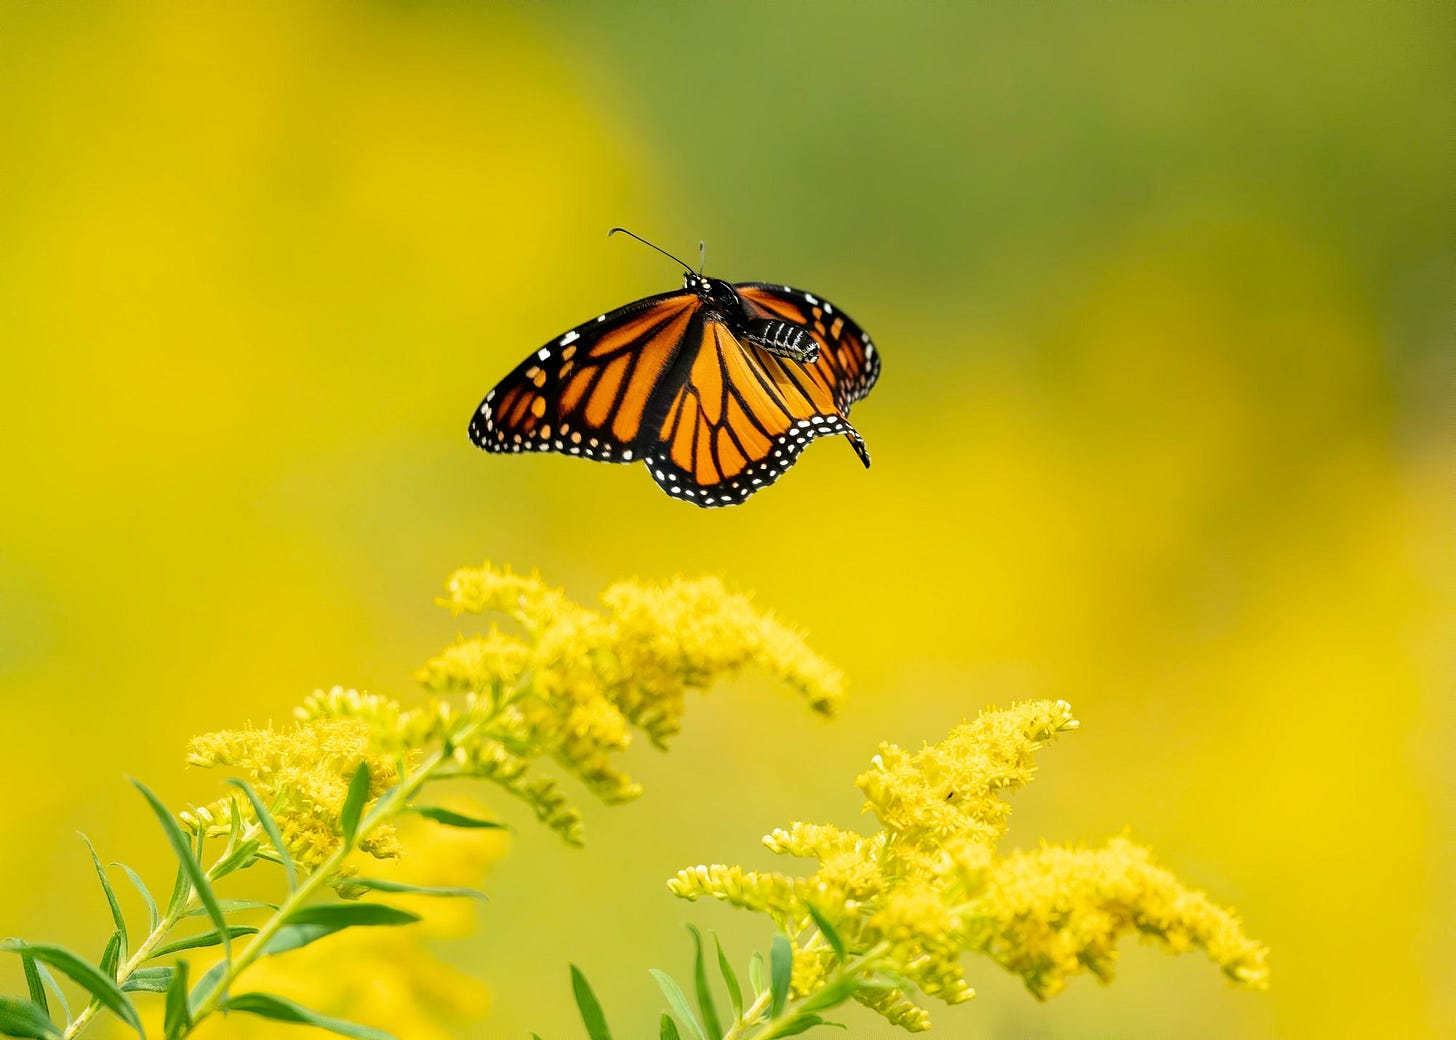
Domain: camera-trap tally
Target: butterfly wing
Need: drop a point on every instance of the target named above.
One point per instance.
(587, 392)
(741, 417)
(848, 363)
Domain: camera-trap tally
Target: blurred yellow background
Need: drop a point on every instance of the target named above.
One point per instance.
(1164, 298)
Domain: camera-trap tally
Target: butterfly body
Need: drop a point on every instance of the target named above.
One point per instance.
(716, 387)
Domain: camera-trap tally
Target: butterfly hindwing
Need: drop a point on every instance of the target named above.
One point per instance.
(740, 419)
(586, 392)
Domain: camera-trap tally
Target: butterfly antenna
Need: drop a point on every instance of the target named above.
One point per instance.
(644, 241)
(702, 255)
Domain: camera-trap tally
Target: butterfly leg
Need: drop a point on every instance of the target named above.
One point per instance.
(784, 339)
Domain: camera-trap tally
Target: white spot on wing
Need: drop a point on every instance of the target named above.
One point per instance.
(570, 337)
(543, 353)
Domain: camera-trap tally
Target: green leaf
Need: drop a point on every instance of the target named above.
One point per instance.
(311, 923)
(730, 979)
(188, 858)
(678, 1001)
(827, 930)
(231, 906)
(586, 1003)
(33, 984)
(354, 803)
(667, 1029)
(26, 1018)
(116, 917)
(704, 994)
(270, 828)
(111, 956)
(781, 968)
(383, 803)
(205, 985)
(832, 995)
(245, 855)
(51, 984)
(153, 918)
(198, 942)
(279, 1010)
(381, 885)
(755, 973)
(801, 1024)
(178, 1017)
(148, 980)
(454, 819)
(85, 975)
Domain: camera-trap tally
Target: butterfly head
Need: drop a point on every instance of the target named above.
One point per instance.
(715, 292)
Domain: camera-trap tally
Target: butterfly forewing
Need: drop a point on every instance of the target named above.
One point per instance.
(586, 392)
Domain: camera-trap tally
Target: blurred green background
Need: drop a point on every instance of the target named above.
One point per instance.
(1164, 299)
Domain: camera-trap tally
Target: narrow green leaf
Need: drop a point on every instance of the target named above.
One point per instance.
(205, 985)
(381, 885)
(231, 906)
(586, 1003)
(801, 1024)
(678, 1001)
(111, 956)
(116, 917)
(245, 855)
(202, 941)
(33, 984)
(25, 1018)
(832, 995)
(86, 975)
(178, 1017)
(781, 968)
(279, 1010)
(148, 980)
(755, 973)
(354, 803)
(454, 819)
(704, 994)
(153, 917)
(189, 860)
(311, 923)
(270, 828)
(55, 989)
(730, 979)
(667, 1029)
(827, 930)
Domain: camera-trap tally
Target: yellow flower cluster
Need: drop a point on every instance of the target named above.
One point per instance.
(928, 886)
(577, 680)
(302, 774)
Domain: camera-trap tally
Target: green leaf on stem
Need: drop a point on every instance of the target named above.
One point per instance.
(678, 1001)
(454, 819)
(55, 989)
(33, 984)
(86, 975)
(586, 1003)
(667, 1029)
(730, 979)
(178, 1016)
(111, 956)
(830, 933)
(700, 983)
(189, 860)
(802, 1024)
(781, 969)
(266, 1005)
(148, 980)
(110, 892)
(231, 906)
(270, 828)
(311, 923)
(26, 1018)
(245, 855)
(202, 941)
(354, 803)
(153, 917)
(755, 974)
(381, 885)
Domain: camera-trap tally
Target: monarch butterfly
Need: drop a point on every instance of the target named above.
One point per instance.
(716, 387)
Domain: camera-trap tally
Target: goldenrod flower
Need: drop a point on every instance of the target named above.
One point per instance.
(908, 901)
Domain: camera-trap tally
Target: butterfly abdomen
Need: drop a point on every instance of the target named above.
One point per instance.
(784, 339)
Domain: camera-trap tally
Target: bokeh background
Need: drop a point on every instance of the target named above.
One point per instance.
(1164, 295)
